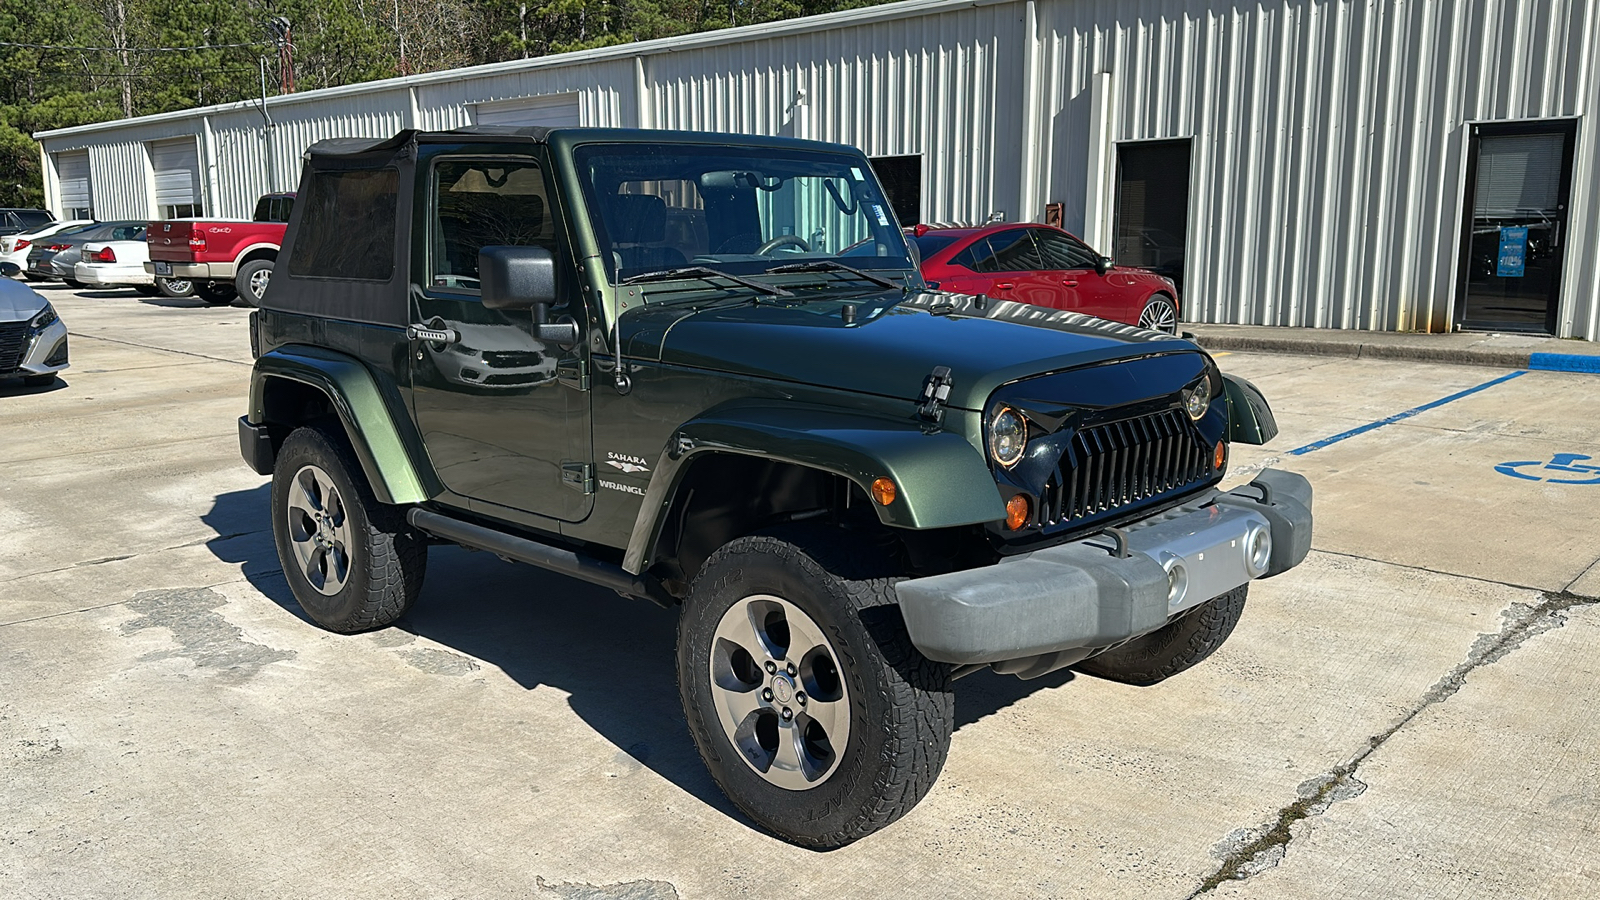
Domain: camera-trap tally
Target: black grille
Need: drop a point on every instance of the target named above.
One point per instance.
(1119, 463)
(13, 340)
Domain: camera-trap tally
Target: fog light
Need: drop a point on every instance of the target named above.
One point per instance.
(1017, 512)
(1177, 579)
(883, 491)
(1258, 551)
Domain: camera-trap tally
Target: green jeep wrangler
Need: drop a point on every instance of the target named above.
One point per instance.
(703, 370)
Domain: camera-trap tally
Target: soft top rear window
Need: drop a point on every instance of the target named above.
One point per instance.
(347, 229)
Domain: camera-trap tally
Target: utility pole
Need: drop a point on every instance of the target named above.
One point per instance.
(283, 37)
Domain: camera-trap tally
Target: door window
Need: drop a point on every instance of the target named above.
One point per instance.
(1005, 251)
(1063, 251)
(484, 203)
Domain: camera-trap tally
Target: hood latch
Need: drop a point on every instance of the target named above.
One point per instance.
(935, 392)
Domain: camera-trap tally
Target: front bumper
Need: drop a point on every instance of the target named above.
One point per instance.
(1054, 606)
(44, 352)
(192, 271)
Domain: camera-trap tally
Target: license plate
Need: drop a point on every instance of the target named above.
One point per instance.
(163, 268)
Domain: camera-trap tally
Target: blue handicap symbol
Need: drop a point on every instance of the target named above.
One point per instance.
(1560, 464)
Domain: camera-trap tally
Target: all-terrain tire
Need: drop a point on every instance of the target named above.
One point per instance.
(901, 709)
(387, 559)
(1174, 647)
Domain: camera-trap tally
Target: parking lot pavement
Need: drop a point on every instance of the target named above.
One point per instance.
(1410, 713)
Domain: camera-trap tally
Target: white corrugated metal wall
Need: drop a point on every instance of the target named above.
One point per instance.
(1329, 136)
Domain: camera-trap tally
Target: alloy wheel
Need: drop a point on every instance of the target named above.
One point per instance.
(258, 282)
(319, 530)
(779, 695)
(1159, 315)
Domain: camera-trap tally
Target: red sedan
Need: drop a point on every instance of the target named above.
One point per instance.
(1044, 266)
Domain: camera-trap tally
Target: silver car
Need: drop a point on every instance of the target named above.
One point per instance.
(33, 339)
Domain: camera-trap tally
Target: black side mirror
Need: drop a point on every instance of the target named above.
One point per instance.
(1103, 265)
(523, 278)
(10, 270)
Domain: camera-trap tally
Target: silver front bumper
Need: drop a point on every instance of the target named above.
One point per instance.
(1103, 590)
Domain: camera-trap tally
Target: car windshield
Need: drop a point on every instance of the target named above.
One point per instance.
(742, 210)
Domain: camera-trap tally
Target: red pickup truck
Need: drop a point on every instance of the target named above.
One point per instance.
(219, 259)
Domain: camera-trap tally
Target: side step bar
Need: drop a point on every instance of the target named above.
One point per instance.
(556, 559)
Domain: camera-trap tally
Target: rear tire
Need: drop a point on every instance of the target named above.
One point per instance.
(354, 564)
(215, 293)
(804, 597)
(251, 282)
(1174, 647)
(176, 288)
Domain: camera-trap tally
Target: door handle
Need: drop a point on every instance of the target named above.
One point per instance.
(432, 335)
(1004, 286)
(1070, 282)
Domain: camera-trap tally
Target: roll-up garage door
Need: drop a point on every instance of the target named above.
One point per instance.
(551, 111)
(176, 165)
(77, 201)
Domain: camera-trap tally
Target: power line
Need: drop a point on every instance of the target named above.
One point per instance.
(138, 49)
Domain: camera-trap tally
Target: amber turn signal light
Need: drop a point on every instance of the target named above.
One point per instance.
(1017, 512)
(883, 491)
(1220, 456)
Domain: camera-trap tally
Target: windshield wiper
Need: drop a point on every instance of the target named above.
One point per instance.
(829, 265)
(706, 273)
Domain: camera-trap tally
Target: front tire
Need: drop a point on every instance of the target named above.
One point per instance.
(1176, 646)
(796, 621)
(353, 563)
(215, 293)
(1160, 313)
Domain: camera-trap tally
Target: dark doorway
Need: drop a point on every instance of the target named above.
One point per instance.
(1518, 179)
(1153, 206)
(902, 181)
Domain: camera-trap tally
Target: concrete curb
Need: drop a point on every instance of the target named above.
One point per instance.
(1502, 359)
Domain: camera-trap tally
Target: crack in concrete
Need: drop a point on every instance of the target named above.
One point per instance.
(111, 559)
(97, 337)
(1247, 852)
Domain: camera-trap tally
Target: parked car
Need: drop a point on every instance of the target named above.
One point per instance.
(16, 221)
(33, 339)
(857, 489)
(117, 263)
(14, 247)
(223, 257)
(1045, 266)
(57, 257)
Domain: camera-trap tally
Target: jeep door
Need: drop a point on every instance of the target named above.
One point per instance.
(504, 415)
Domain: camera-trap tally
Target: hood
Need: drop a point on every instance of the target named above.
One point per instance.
(18, 302)
(891, 346)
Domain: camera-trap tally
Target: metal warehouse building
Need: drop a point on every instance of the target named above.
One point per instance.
(1379, 164)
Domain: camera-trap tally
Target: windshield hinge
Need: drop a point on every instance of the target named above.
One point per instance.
(935, 391)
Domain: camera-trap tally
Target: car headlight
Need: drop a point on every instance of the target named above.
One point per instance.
(1197, 397)
(1008, 436)
(45, 318)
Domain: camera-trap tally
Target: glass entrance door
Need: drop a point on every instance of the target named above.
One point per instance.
(1517, 196)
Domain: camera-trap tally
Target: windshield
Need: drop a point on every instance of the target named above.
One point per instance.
(743, 210)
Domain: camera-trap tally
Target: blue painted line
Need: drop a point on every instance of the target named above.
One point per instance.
(1564, 362)
(1399, 417)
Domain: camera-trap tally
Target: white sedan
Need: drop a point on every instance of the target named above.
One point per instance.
(117, 263)
(14, 247)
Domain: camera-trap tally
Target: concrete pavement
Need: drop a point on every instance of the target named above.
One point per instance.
(1407, 714)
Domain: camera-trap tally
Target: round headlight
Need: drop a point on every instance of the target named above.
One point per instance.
(1008, 436)
(1197, 399)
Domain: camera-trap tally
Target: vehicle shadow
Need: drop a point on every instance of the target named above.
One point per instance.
(174, 302)
(614, 657)
(13, 386)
